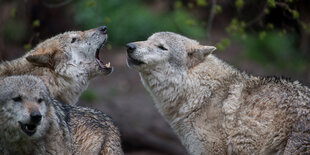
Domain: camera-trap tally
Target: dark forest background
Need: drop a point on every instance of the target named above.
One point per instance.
(261, 37)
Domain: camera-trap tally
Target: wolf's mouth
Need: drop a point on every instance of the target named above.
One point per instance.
(107, 67)
(133, 61)
(29, 129)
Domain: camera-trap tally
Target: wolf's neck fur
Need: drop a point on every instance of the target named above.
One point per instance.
(64, 88)
(166, 88)
(174, 90)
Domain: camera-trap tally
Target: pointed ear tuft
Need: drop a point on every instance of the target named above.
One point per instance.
(206, 50)
(42, 57)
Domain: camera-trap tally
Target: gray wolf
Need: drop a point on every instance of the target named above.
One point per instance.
(34, 123)
(216, 109)
(66, 63)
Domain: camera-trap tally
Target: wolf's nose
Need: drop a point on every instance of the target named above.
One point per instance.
(130, 47)
(103, 29)
(35, 117)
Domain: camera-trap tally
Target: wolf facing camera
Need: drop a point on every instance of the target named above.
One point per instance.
(34, 123)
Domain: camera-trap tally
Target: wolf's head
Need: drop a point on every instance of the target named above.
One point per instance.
(166, 50)
(24, 104)
(73, 53)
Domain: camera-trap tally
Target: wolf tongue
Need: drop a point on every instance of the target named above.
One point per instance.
(101, 64)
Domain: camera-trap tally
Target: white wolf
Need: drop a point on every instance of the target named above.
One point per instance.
(216, 109)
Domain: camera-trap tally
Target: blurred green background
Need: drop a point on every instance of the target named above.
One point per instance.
(274, 34)
(262, 37)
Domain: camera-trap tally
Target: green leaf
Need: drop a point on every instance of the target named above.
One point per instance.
(295, 14)
(271, 3)
(27, 47)
(13, 12)
(190, 22)
(262, 35)
(36, 23)
(107, 20)
(217, 9)
(270, 26)
(90, 3)
(109, 46)
(190, 5)
(178, 4)
(201, 2)
(89, 96)
(267, 11)
(223, 44)
(306, 27)
(239, 4)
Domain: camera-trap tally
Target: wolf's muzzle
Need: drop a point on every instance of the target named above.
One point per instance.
(103, 29)
(131, 48)
(31, 127)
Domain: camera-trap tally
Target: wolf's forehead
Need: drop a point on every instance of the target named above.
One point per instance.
(74, 34)
(170, 37)
(70, 34)
(22, 82)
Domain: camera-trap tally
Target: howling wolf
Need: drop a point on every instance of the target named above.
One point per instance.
(66, 63)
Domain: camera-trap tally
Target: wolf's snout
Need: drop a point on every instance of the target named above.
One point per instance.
(103, 29)
(130, 47)
(35, 117)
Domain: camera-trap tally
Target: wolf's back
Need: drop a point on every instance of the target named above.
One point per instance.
(92, 130)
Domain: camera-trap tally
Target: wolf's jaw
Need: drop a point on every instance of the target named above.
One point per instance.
(28, 129)
(106, 67)
(132, 61)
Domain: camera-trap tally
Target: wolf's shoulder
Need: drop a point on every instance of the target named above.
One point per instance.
(281, 87)
(77, 115)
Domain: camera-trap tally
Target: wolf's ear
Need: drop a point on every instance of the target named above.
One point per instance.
(42, 57)
(201, 51)
(197, 54)
(206, 50)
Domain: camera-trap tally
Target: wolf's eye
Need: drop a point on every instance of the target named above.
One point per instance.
(40, 100)
(162, 47)
(73, 40)
(17, 99)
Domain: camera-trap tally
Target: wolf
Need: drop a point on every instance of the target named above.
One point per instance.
(34, 123)
(215, 108)
(66, 63)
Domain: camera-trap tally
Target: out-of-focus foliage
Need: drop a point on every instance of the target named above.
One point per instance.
(239, 3)
(201, 2)
(14, 30)
(274, 51)
(306, 27)
(89, 96)
(222, 44)
(264, 28)
(129, 21)
(271, 43)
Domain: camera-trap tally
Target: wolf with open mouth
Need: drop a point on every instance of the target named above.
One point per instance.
(66, 63)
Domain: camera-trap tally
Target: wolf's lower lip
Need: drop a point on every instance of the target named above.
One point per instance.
(29, 129)
(132, 61)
